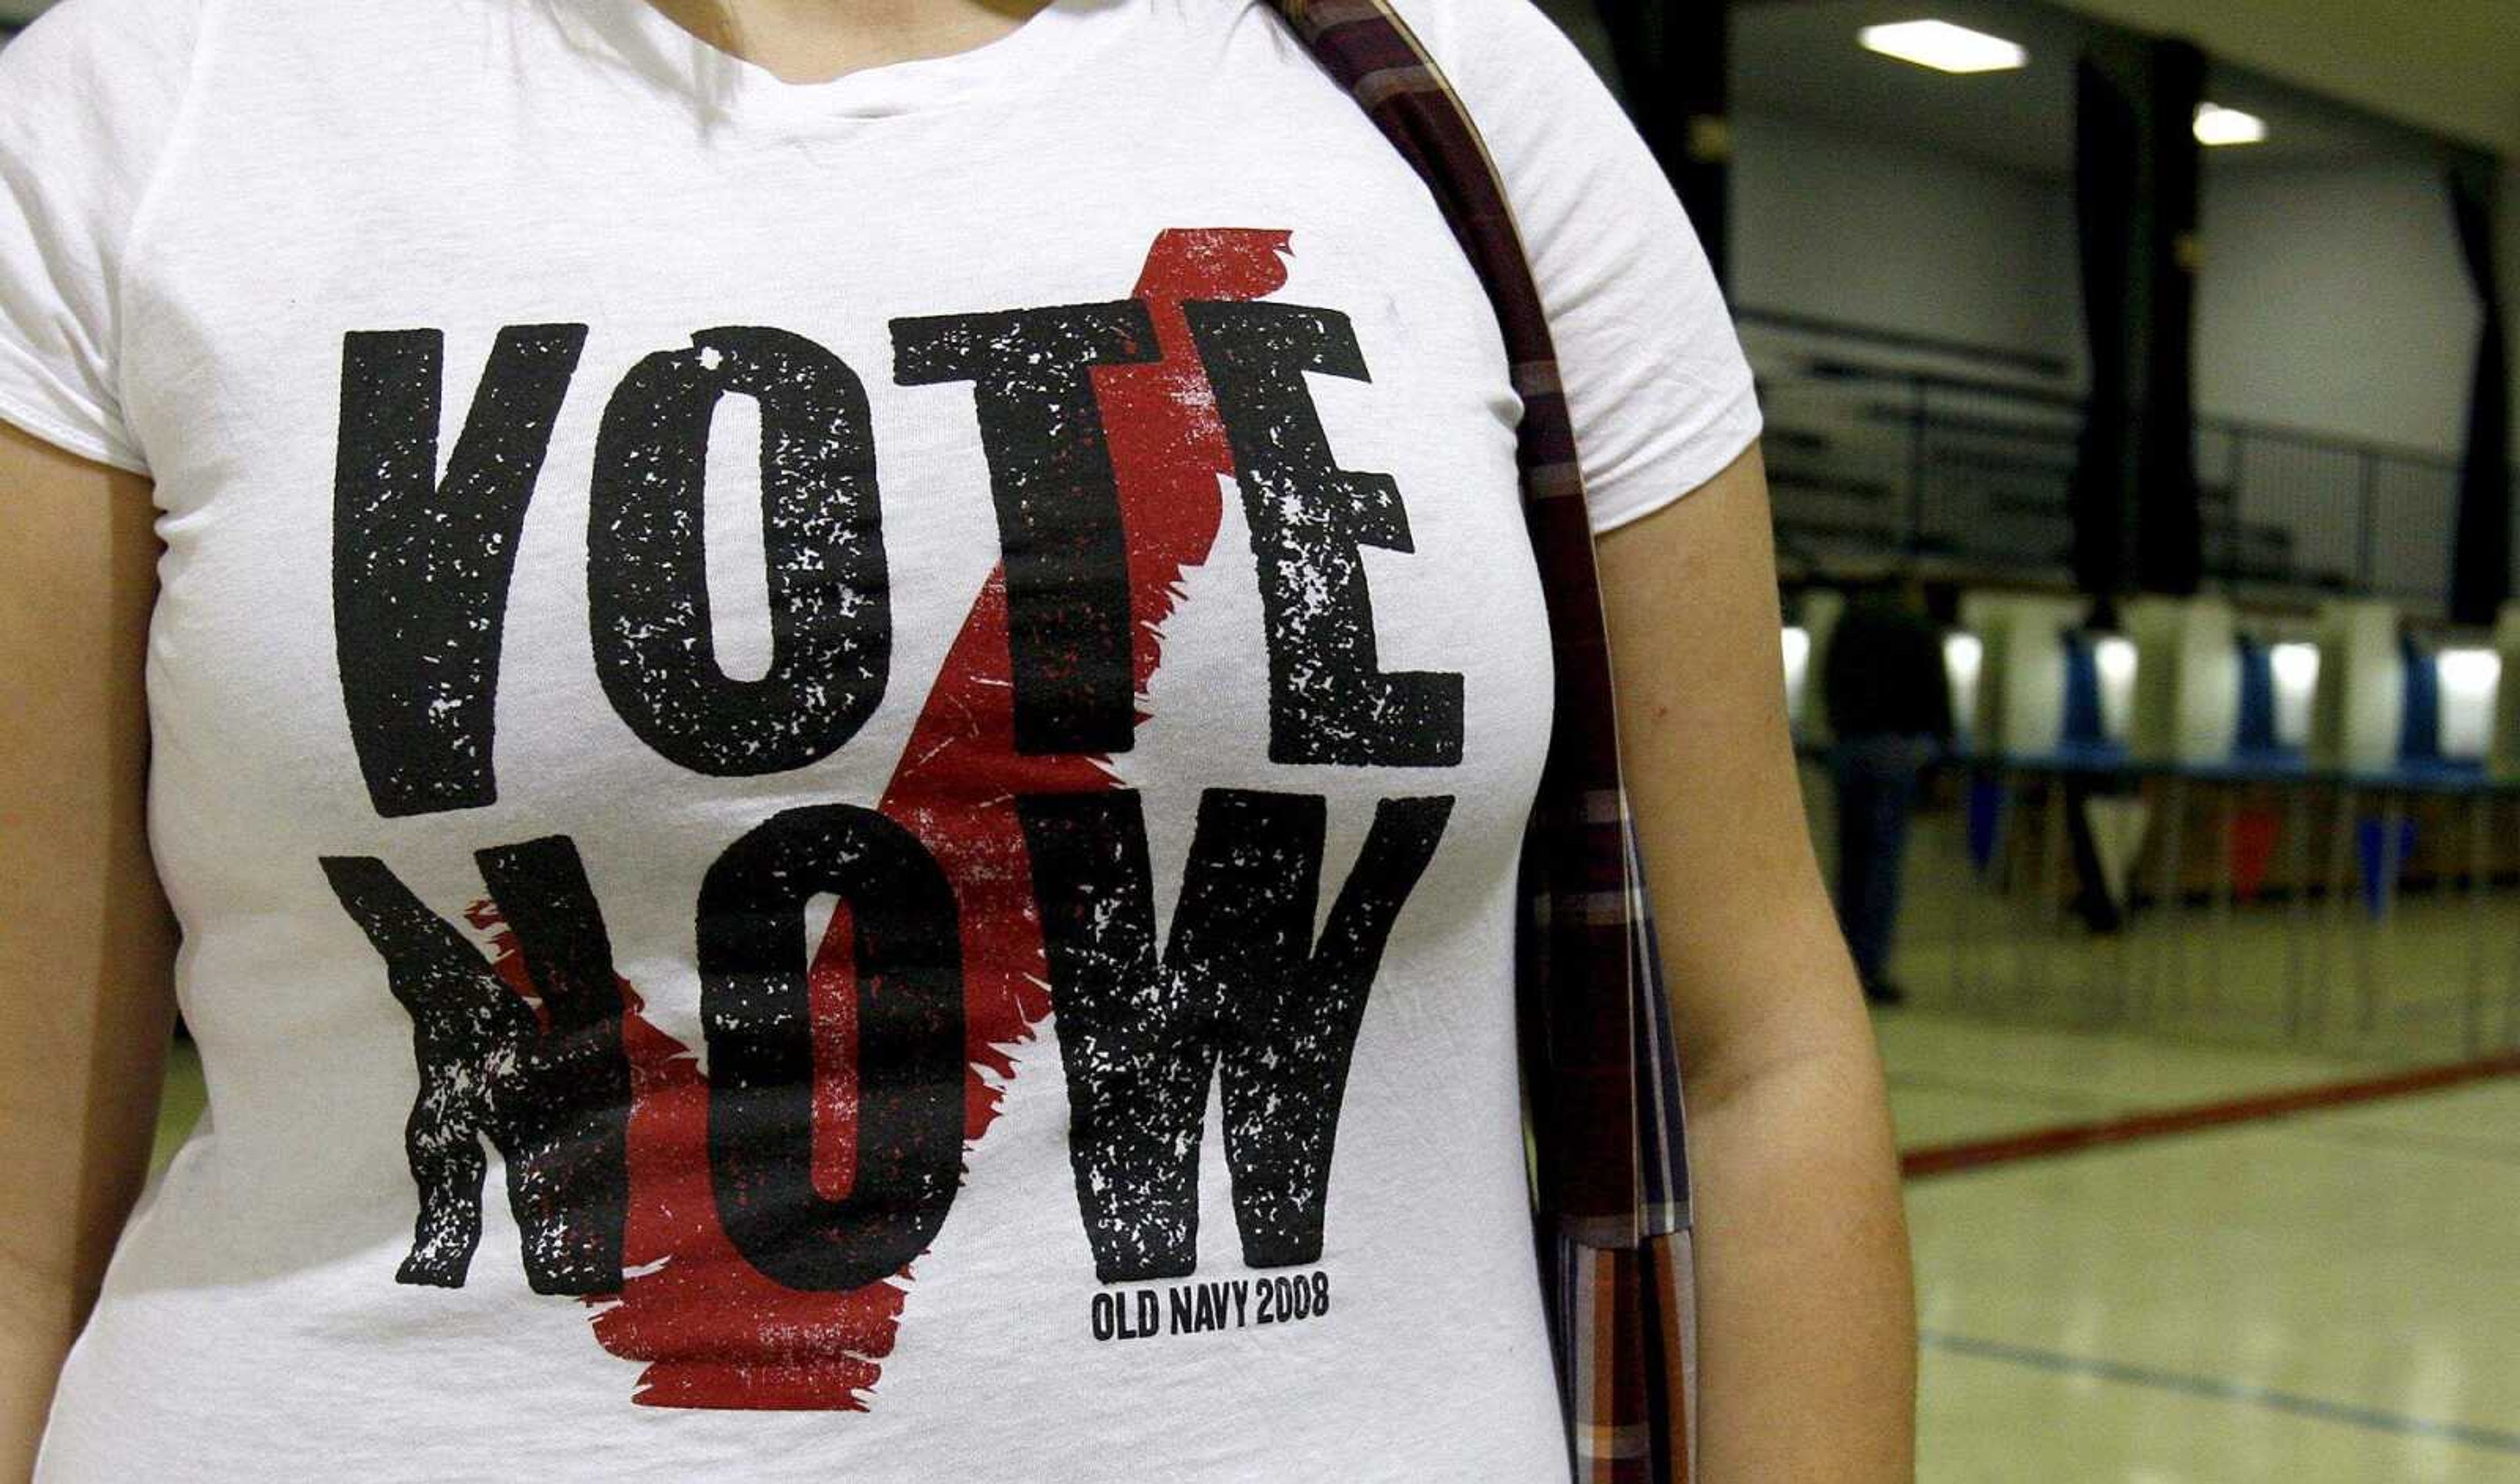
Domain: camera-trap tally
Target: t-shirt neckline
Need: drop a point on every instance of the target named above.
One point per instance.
(636, 34)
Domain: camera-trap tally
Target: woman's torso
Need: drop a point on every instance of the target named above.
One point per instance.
(504, 818)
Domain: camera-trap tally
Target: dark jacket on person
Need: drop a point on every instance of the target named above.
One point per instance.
(1884, 675)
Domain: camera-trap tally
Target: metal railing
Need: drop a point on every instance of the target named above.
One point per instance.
(1874, 459)
(2299, 510)
(1869, 459)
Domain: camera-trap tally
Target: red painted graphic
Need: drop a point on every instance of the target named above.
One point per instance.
(713, 1331)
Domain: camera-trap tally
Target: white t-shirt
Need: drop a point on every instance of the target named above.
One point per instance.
(841, 763)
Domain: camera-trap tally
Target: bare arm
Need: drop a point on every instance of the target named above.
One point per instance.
(86, 942)
(1807, 1324)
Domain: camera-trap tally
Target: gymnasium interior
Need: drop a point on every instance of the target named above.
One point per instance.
(2157, 349)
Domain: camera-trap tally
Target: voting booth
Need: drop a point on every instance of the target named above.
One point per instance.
(2187, 680)
(1806, 643)
(2503, 754)
(2359, 717)
(2043, 685)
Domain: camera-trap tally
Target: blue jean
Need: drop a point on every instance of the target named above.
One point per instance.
(1877, 782)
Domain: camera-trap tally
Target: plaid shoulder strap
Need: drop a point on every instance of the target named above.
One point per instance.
(1603, 1078)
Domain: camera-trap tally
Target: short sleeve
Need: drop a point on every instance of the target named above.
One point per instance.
(1660, 393)
(89, 95)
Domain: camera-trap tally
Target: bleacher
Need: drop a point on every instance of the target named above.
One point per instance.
(1962, 458)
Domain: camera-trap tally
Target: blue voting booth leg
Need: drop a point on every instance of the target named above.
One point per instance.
(1985, 820)
(2380, 863)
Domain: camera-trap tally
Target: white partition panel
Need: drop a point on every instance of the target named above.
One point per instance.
(2361, 687)
(2188, 689)
(2021, 687)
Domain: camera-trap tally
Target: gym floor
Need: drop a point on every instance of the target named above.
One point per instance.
(2325, 1295)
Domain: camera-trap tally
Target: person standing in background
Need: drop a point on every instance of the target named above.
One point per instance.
(1889, 706)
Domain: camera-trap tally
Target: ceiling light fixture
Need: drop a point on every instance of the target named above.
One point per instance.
(2217, 126)
(1944, 47)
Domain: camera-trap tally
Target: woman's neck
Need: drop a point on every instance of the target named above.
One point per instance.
(818, 40)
